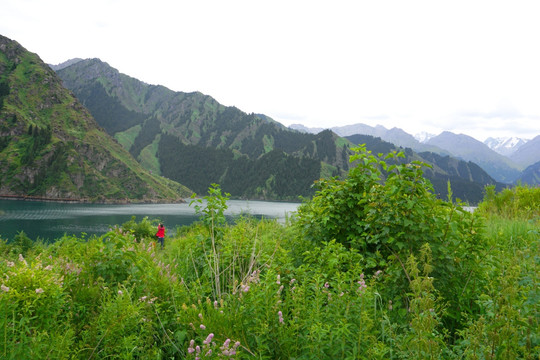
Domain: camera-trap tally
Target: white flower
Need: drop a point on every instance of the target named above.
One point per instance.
(39, 291)
(4, 288)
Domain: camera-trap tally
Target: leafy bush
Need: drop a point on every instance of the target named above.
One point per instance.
(521, 201)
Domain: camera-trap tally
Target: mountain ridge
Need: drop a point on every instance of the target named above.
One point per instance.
(502, 168)
(153, 122)
(51, 147)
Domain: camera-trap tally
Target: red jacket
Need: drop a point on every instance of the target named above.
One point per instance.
(161, 231)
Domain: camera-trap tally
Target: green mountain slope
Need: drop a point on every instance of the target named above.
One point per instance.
(52, 147)
(467, 179)
(531, 175)
(191, 138)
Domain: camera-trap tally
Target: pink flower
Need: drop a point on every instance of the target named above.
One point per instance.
(4, 288)
(208, 339)
(280, 316)
(39, 291)
(326, 285)
(202, 327)
(278, 280)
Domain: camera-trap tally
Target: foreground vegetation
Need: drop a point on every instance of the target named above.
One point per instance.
(373, 267)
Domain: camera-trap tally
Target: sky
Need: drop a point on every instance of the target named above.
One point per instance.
(470, 67)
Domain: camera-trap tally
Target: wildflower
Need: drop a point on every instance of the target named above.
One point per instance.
(208, 339)
(280, 315)
(120, 292)
(278, 280)
(280, 289)
(292, 281)
(342, 293)
(390, 307)
(209, 352)
(10, 264)
(236, 344)
(202, 326)
(226, 344)
(377, 273)
(198, 349)
(39, 291)
(48, 267)
(143, 298)
(326, 285)
(200, 316)
(4, 288)
(215, 304)
(21, 259)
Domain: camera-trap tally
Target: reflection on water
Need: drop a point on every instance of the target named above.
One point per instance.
(52, 220)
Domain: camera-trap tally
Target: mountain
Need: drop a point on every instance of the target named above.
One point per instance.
(192, 139)
(395, 135)
(531, 175)
(65, 64)
(466, 178)
(304, 129)
(51, 147)
(505, 145)
(528, 153)
(423, 136)
(467, 148)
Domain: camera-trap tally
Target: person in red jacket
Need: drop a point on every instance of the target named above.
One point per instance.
(161, 234)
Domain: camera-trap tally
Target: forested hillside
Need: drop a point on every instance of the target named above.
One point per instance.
(51, 147)
(191, 138)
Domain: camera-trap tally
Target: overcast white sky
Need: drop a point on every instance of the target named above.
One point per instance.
(470, 67)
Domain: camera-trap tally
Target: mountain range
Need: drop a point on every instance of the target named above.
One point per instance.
(250, 155)
(87, 131)
(505, 169)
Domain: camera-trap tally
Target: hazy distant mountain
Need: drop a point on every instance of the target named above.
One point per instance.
(423, 136)
(505, 145)
(65, 64)
(531, 175)
(528, 153)
(302, 128)
(467, 148)
(395, 135)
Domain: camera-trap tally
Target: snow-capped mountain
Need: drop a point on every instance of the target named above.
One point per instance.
(423, 136)
(505, 145)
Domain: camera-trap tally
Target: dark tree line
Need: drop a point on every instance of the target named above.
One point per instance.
(150, 129)
(273, 175)
(108, 111)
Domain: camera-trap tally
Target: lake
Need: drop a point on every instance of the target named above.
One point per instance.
(50, 220)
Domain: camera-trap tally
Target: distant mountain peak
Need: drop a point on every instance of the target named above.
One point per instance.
(505, 145)
(65, 64)
(423, 136)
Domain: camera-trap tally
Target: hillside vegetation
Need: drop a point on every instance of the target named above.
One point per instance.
(52, 147)
(367, 269)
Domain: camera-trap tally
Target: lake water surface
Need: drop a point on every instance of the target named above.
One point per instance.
(49, 220)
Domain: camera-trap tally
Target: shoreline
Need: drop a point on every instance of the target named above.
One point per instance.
(87, 201)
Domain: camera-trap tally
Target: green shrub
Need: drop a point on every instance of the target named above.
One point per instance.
(521, 201)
